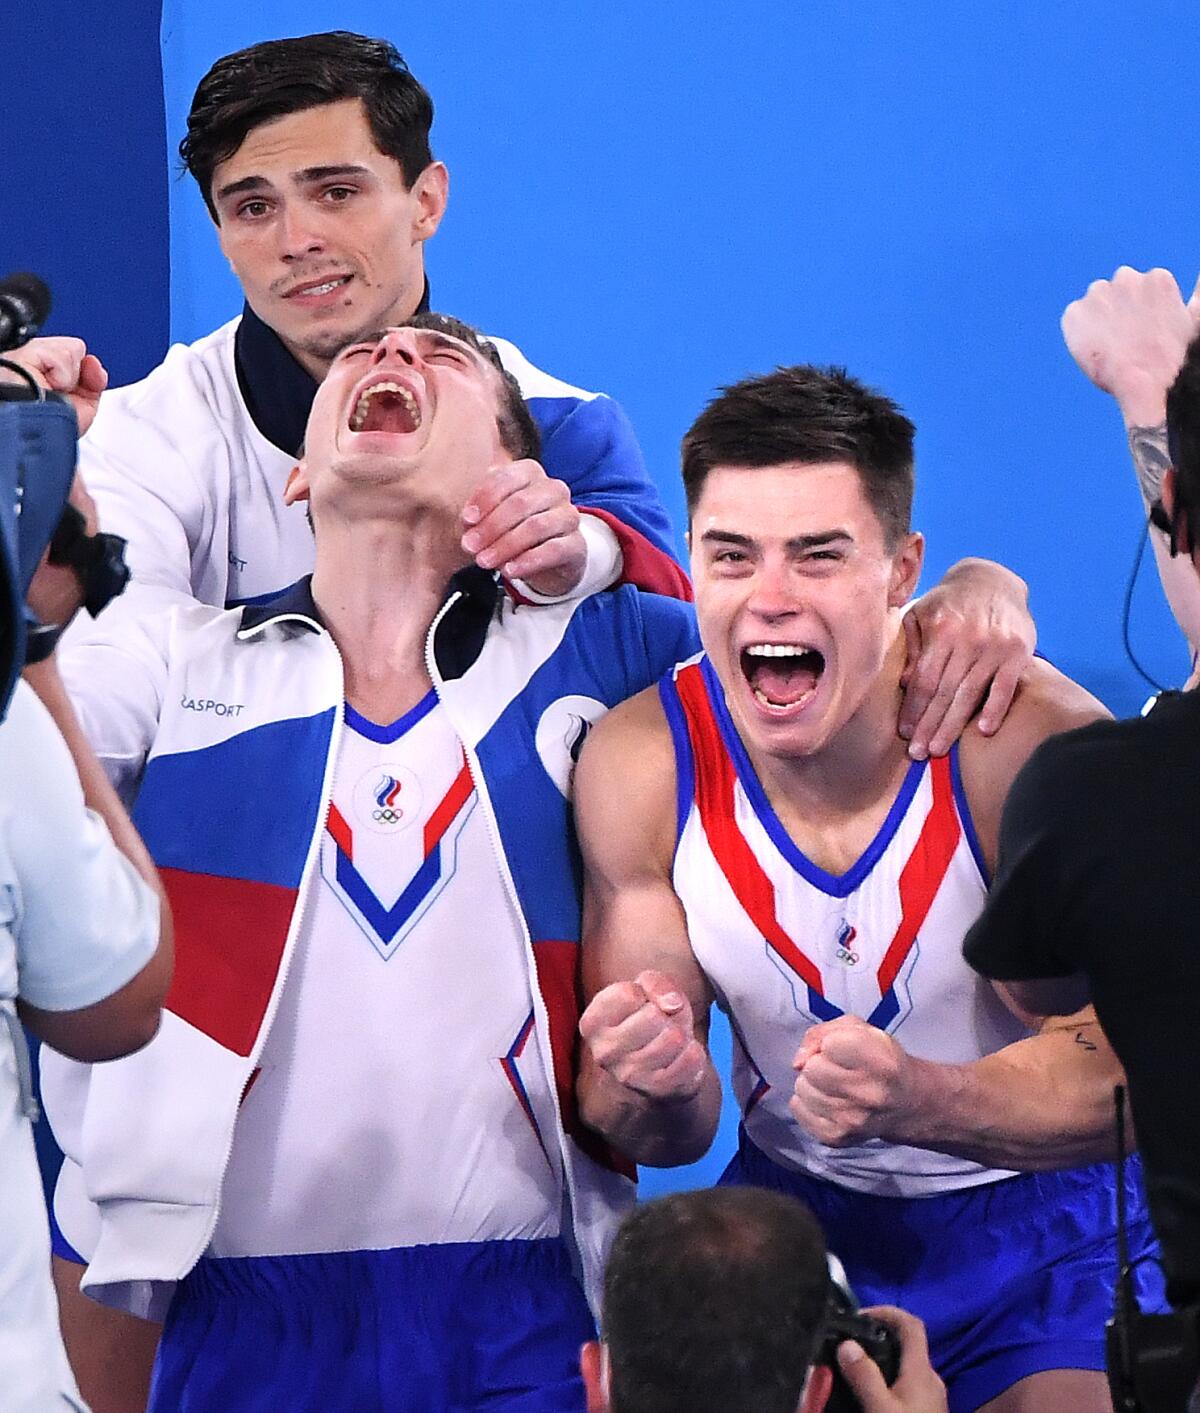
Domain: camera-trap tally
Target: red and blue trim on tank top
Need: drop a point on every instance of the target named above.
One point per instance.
(711, 759)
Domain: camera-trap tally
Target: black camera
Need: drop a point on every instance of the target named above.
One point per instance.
(37, 464)
(843, 1321)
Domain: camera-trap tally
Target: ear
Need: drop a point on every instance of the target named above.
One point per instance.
(432, 190)
(906, 569)
(817, 1388)
(594, 1368)
(297, 484)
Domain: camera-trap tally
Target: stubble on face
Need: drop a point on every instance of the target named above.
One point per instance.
(324, 345)
(326, 203)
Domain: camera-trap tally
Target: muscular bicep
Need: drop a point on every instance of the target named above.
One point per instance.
(625, 813)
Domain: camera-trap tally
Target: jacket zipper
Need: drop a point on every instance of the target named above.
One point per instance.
(510, 888)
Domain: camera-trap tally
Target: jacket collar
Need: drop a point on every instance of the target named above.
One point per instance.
(277, 391)
(460, 636)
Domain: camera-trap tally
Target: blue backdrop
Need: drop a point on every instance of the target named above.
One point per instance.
(655, 200)
(83, 184)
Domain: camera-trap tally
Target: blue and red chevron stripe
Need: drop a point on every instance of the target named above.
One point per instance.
(922, 875)
(761, 1087)
(557, 964)
(508, 1063)
(386, 922)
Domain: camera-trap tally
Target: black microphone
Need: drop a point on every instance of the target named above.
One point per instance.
(24, 304)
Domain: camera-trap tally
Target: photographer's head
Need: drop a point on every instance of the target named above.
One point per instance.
(713, 1300)
(1181, 485)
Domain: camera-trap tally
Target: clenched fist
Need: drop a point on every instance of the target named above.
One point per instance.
(641, 1033)
(1129, 335)
(65, 366)
(853, 1082)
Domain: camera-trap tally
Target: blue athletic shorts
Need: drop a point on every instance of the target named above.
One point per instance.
(1011, 1278)
(425, 1329)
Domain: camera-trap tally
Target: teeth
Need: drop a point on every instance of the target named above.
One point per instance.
(325, 288)
(359, 416)
(777, 650)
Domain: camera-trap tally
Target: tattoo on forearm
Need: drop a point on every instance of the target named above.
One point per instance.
(1148, 446)
(1081, 1039)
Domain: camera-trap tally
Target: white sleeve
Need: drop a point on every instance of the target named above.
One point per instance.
(603, 568)
(115, 672)
(150, 461)
(85, 922)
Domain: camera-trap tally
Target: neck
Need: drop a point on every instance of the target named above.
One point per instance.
(378, 585)
(858, 765)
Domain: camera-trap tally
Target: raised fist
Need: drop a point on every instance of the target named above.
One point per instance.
(1129, 335)
(641, 1033)
(64, 366)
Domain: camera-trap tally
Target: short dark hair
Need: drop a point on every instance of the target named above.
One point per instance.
(244, 90)
(808, 414)
(714, 1300)
(1183, 444)
(518, 431)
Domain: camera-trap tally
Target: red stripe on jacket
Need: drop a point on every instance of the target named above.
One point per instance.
(229, 938)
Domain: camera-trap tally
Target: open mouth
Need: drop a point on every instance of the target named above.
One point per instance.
(782, 676)
(385, 407)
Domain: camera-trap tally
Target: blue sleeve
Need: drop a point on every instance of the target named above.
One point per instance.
(590, 444)
(630, 639)
(670, 632)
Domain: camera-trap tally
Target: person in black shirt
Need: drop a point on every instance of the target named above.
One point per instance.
(1097, 894)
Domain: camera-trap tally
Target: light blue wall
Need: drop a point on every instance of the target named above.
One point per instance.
(657, 199)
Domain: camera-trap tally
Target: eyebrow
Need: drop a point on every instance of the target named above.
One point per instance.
(306, 175)
(434, 336)
(798, 544)
(441, 340)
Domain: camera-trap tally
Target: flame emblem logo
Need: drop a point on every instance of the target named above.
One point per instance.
(387, 792)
